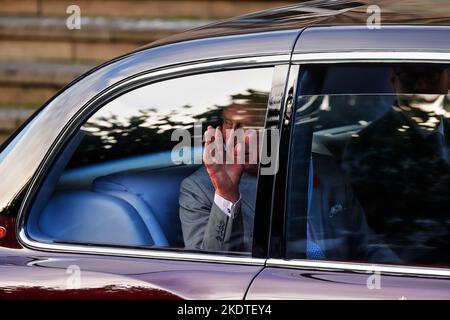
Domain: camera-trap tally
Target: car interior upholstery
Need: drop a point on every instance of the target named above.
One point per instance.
(138, 200)
(69, 217)
(154, 194)
(352, 98)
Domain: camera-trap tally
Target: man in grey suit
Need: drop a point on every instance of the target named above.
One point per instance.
(217, 205)
(217, 202)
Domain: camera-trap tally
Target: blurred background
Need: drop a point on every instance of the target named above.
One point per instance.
(39, 54)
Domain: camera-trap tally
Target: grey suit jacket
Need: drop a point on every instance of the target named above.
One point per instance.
(337, 222)
(205, 226)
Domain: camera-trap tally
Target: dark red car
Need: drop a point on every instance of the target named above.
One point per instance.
(353, 204)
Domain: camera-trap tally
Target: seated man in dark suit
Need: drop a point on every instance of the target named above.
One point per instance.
(398, 166)
(217, 206)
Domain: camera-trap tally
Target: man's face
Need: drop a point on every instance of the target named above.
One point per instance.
(421, 80)
(250, 123)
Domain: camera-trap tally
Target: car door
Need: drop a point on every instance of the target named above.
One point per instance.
(102, 217)
(361, 210)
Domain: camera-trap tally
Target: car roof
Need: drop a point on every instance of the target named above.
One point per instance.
(361, 38)
(323, 13)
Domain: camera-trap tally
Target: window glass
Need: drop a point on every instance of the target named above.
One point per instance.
(369, 165)
(134, 175)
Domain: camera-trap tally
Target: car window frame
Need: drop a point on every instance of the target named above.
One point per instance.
(277, 255)
(279, 63)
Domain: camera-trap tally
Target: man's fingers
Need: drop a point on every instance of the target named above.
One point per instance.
(209, 135)
(208, 158)
(213, 152)
(230, 136)
(252, 146)
(218, 136)
(218, 141)
(239, 153)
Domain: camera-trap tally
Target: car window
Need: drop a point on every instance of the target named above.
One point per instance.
(134, 175)
(369, 170)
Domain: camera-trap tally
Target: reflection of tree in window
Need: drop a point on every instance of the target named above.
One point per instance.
(114, 136)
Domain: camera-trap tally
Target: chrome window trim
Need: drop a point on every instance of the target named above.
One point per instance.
(138, 253)
(147, 78)
(359, 267)
(371, 56)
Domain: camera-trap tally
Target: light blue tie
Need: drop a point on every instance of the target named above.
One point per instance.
(313, 250)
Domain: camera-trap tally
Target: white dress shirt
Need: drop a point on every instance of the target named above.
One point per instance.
(229, 208)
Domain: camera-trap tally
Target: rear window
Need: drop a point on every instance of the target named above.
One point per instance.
(369, 165)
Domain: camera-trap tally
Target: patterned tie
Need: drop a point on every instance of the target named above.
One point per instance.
(313, 250)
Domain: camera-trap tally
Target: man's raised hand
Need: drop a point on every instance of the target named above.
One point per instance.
(225, 175)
